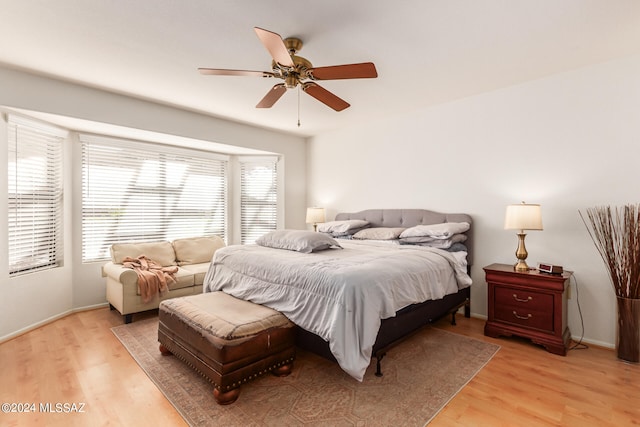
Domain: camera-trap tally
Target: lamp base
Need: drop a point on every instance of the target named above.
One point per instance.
(521, 253)
(521, 266)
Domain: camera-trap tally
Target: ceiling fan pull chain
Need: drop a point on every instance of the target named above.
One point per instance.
(298, 105)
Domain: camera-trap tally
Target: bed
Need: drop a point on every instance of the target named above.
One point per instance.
(354, 299)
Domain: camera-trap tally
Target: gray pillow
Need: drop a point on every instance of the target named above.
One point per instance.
(434, 243)
(456, 238)
(342, 228)
(439, 231)
(298, 240)
(455, 247)
(458, 247)
(379, 233)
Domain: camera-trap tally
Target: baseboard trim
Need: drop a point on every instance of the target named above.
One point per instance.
(50, 320)
(592, 342)
(574, 339)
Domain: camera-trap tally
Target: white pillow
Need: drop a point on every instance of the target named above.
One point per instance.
(439, 231)
(297, 240)
(342, 228)
(378, 233)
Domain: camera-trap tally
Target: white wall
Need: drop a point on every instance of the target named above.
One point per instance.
(568, 142)
(31, 299)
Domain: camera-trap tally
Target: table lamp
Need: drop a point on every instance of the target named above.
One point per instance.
(314, 216)
(522, 217)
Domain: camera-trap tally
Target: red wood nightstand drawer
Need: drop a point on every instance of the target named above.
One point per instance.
(524, 307)
(523, 298)
(524, 317)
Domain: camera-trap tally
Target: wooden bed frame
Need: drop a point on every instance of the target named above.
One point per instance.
(413, 317)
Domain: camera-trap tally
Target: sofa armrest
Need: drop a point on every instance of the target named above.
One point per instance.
(126, 276)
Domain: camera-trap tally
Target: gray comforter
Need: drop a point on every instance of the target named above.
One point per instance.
(339, 294)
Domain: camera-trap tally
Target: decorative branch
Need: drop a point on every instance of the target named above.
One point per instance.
(616, 235)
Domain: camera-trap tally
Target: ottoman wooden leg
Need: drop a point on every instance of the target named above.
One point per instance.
(226, 398)
(164, 350)
(283, 371)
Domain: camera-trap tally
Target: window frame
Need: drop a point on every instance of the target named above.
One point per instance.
(34, 236)
(249, 232)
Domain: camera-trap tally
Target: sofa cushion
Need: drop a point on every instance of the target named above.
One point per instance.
(160, 252)
(184, 279)
(196, 250)
(198, 271)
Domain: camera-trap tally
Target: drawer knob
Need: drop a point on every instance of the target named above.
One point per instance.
(515, 297)
(527, 317)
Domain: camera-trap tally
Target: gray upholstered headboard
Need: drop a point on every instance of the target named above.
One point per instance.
(409, 218)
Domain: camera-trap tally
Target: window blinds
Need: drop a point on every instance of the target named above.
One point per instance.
(137, 192)
(259, 197)
(34, 196)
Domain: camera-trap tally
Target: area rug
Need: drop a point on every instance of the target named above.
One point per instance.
(420, 376)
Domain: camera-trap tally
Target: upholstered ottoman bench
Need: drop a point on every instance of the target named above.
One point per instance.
(227, 340)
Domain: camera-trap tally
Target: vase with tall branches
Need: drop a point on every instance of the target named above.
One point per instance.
(616, 235)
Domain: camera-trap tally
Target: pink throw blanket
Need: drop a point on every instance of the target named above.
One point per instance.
(152, 277)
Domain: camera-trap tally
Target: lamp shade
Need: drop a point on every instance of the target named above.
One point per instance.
(315, 215)
(523, 217)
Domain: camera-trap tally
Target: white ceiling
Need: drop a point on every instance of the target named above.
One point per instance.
(426, 51)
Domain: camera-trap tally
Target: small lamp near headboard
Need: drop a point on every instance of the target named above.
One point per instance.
(522, 217)
(314, 216)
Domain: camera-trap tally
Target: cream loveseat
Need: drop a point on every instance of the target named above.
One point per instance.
(191, 255)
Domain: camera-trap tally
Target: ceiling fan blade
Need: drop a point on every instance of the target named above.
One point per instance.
(324, 96)
(275, 45)
(223, 72)
(365, 70)
(272, 96)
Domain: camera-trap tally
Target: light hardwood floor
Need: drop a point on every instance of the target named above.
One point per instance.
(77, 359)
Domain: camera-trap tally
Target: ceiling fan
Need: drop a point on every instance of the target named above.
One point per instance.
(296, 70)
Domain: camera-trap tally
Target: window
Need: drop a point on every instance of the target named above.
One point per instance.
(136, 192)
(259, 197)
(34, 196)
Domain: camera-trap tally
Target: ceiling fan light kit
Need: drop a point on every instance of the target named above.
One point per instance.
(297, 71)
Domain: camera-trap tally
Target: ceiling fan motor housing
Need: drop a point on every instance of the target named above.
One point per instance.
(293, 75)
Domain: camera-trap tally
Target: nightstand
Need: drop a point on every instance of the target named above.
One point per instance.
(528, 304)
